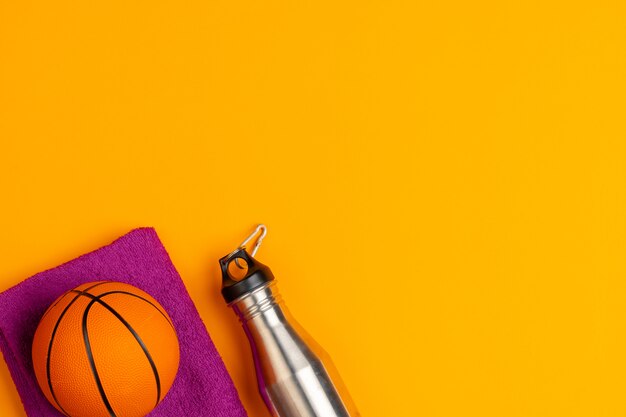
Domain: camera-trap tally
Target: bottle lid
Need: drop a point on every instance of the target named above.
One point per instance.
(255, 275)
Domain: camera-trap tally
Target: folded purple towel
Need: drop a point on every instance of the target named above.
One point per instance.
(202, 387)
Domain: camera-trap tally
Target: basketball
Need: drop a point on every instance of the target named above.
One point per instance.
(105, 349)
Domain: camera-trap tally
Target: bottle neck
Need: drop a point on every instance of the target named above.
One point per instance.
(256, 302)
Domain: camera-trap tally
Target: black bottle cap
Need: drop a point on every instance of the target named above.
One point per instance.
(256, 276)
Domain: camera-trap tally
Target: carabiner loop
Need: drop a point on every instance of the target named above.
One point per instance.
(260, 228)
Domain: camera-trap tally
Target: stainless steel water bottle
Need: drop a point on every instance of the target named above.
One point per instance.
(295, 376)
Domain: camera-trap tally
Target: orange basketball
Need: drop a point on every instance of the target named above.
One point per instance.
(105, 349)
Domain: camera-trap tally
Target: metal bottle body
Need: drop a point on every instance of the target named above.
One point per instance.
(296, 377)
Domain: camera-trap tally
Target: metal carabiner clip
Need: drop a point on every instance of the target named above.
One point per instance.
(263, 231)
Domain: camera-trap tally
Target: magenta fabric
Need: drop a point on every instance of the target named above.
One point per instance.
(202, 387)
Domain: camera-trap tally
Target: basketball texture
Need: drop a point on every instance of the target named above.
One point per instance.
(105, 349)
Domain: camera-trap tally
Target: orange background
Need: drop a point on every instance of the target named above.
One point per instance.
(444, 182)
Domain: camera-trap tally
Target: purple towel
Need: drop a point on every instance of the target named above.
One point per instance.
(202, 387)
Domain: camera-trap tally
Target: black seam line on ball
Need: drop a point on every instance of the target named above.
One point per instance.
(55, 304)
(97, 299)
(144, 299)
(54, 332)
(92, 363)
